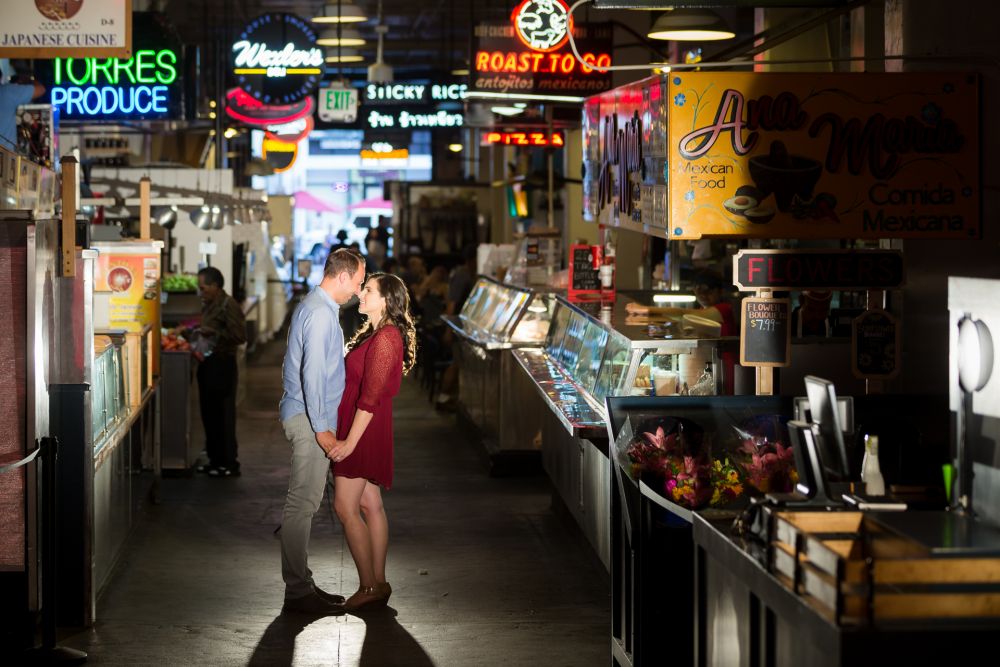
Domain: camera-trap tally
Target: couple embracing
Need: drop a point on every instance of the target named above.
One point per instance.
(337, 412)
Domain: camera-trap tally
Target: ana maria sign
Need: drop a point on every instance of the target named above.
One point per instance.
(276, 59)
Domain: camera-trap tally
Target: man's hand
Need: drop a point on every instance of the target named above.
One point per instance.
(341, 450)
(326, 440)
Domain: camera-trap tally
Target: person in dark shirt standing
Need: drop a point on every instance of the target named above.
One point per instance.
(222, 330)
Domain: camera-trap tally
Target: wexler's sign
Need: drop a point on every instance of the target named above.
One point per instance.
(276, 59)
(763, 155)
(66, 28)
(531, 54)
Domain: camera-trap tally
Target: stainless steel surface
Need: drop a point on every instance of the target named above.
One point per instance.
(176, 449)
(74, 325)
(112, 511)
(521, 413)
(564, 398)
(476, 335)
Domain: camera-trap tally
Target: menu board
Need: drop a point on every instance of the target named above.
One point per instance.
(765, 332)
(875, 349)
(584, 279)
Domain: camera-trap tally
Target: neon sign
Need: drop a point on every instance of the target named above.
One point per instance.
(538, 63)
(407, 120)
(276, 59)
(390, 93)
(115, 88)
(523, 139)
(542, 25)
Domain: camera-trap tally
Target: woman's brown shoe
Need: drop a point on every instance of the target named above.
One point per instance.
(367, 597)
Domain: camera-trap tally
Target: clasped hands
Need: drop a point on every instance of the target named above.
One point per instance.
(336, 450)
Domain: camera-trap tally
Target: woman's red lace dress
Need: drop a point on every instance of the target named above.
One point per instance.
(374, 370)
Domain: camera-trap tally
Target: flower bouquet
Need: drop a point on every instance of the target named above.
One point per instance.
(768, 463)
(727, 485)
(670, 454)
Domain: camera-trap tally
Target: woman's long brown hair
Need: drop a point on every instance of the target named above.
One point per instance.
(397, 314)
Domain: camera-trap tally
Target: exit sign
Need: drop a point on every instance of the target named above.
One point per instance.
(338, 104)
(524, 138)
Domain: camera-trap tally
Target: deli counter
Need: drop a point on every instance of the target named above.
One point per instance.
(591, 353)
(494, 397)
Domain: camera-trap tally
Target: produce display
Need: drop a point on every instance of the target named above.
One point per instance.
(180, 282)
(171, 341)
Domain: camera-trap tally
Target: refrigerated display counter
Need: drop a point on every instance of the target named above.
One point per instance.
(592, 352)
(494, 397)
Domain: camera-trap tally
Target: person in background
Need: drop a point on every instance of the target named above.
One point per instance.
(462, 278)
(812, 316)
(313, 379)
(415, 272)
(381, 353)
(223, 329)
(15, 90)
(432, 295)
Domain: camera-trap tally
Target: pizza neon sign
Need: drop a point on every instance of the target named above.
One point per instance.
(493, 138)
(542, 25)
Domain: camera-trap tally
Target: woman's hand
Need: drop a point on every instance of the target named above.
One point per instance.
(341, 450)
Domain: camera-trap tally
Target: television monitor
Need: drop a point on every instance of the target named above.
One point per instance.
(824, 413)
(808, 464)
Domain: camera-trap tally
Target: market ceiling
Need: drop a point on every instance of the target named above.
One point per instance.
(424, 36)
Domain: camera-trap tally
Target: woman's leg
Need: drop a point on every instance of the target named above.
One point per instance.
(378, 528)
(347, 494)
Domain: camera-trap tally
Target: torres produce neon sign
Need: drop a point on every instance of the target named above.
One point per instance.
(109, 87)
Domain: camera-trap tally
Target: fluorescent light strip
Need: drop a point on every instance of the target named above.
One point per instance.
(525, 96)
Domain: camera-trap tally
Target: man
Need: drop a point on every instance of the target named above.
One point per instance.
(313, 375)
(223, 329)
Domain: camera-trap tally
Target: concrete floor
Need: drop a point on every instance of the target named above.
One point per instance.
(483, 571)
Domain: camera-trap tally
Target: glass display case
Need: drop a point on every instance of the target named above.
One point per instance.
(497, 315)
(494, 397)
(108, 403)
(591, 354)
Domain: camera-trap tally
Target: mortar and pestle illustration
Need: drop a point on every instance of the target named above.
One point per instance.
(784, 175)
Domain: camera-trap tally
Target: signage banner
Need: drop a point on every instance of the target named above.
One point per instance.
(276, 59)
(818, 269)
(66, 28)
(531, 54)
(134, 283)
(522, 138)
(338, 104)
(412, 93)
(148, 85)
(412, 118)
(762, 155)
(824, 155)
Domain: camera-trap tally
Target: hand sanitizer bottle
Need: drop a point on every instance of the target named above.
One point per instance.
(871, 474)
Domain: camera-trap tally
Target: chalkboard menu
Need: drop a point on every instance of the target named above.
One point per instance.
(765, 332)
(584, 279)
(875, 351)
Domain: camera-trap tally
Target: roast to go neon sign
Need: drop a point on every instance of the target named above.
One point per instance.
(112, 86)
(538, 63)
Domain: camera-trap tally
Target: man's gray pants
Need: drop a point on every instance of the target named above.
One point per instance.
(310, 468)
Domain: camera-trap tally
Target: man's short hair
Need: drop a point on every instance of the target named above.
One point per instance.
(212, 276)
(343, 260)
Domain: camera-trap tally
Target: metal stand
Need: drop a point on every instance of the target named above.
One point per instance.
(49, 653)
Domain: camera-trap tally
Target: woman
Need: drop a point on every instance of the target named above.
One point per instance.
(380, 354)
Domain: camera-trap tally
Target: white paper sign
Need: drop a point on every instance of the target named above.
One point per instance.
(338, 104)
(208, 248)
(56, 28)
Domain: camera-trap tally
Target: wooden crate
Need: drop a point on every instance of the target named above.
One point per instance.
(856, 574)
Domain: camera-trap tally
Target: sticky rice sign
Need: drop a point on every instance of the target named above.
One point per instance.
(66, 28)
(823, 155)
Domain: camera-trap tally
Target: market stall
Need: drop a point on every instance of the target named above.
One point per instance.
(494, 398)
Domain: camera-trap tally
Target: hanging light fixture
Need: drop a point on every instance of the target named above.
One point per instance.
(343, 55)
(347, 12)
(347, 37)
(507, 110)
(690, 25)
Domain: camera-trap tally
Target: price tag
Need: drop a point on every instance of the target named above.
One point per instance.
(765, 332)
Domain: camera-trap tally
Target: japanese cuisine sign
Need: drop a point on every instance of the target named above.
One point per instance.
(66, 28)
